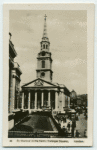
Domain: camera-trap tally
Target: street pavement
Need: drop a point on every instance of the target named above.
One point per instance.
(81, 125)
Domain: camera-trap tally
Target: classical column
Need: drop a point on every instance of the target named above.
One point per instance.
(68, 101)
(17, 102)
(29, 100)
(35, 99)
(12, 92)
(42, 98)
(17, 99)
(62, 101)
(23, 100)
(49, 98)
(56, 100)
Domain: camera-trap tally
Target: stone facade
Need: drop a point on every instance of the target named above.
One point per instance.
(40, 94)
(14, 79)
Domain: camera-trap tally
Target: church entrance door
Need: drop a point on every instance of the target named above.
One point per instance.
(38, 100)
(32, 102)
(26, 100)
(53, 99)
(45, 99)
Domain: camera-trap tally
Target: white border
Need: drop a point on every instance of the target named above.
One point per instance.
(90, 38)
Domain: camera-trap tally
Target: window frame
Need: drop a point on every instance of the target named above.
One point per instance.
(43, 64)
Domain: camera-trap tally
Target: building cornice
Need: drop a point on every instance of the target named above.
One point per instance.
(45, 41)
(44, 57)
(12, 48)
(45, 52)
(44, 70)
(17, 67)
(11, 62)
(15, 76)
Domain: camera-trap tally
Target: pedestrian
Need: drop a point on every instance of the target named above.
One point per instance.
(85, 133)
(77, 133)
(68, 126)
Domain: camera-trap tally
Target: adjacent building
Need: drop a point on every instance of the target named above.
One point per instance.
(14, 79)
(73, 99)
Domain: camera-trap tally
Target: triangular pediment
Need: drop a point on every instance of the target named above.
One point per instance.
(39, 83)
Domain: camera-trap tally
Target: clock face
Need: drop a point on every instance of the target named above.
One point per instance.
(42, 74)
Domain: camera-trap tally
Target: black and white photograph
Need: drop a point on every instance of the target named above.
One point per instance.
(47, 74)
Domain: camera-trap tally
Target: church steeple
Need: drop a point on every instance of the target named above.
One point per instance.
(44, 60)
(45, 28)
(45, 40)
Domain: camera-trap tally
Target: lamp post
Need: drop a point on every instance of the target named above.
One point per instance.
(72, 117)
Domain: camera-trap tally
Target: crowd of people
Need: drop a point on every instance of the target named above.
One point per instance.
(68, 124)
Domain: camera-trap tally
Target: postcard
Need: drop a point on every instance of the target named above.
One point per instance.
(48, 75)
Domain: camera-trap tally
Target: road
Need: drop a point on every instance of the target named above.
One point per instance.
(81, 125)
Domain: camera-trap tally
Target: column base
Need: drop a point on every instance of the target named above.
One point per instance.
(34, 110)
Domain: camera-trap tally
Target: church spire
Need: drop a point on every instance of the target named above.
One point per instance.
(45, 28)
(44, 64)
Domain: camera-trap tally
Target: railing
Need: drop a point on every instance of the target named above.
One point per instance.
(19, 115)
(23, 134)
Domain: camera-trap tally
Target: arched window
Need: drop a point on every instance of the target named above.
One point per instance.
(43, 46)
(46, 46)
(43, 64)
(43, 53)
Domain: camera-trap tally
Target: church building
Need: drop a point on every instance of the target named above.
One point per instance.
(41, 93)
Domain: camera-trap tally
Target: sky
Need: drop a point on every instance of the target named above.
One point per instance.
(67, 33)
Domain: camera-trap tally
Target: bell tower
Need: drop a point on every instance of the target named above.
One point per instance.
(44, 60)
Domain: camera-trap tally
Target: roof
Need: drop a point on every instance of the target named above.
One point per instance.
(16, 66)
(38, 83)
(43, 83)
(12, 50)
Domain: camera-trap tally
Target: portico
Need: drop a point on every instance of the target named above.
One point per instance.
(36, 99)
(40, 94)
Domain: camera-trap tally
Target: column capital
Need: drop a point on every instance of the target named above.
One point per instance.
(56, 91)
(49, 90)
(62, 90)
(29, 90)
(35, 90)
